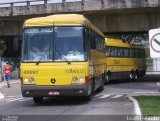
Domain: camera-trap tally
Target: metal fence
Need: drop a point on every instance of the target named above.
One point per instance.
(14, 62)
(153, 65)
(33, 2)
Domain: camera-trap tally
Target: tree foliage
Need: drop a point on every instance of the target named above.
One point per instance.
(2, 47)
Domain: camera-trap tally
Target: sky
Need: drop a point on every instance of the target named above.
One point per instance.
(8, 1)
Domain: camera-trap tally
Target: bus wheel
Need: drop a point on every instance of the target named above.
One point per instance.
(135, 76)
(38, 99)
(132, 76)
(107, 79)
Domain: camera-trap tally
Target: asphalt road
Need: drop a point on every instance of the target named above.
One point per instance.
(110, 105)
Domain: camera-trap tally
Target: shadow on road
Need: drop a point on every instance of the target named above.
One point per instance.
(62, 101)
(150, 78)
(146, 78)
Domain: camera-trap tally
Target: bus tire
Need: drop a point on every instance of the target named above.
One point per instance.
(132, 76)
(107, 77)
(135, 76)
(38, 99)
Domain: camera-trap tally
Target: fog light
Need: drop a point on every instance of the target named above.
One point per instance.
(81, 80)
(31, 80)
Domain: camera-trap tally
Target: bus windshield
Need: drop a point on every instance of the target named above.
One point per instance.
(53, 44)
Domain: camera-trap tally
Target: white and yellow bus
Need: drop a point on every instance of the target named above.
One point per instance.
(62, 55)
(124, 61)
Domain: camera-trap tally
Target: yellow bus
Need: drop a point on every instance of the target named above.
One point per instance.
(62, 55)
(124, 61)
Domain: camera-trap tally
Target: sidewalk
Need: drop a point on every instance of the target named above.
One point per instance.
(3, 83)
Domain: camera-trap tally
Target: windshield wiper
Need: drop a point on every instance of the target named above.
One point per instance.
(42, 56)
(66, 60)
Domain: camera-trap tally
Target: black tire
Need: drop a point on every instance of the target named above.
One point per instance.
(107, 79)
(38, 100)
(132, 76)
(100, 89)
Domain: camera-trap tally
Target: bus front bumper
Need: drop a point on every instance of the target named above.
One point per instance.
(49, 91)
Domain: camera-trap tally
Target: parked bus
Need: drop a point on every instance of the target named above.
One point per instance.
(62, 55)
(124, 61)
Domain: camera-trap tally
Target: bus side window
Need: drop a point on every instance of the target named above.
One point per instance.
(87, 40)
(97, 42)
(142, 53)
(120, 52)
(102, 43)
(126, 53)
(131, 53)
(92, 40)
(114, 51)
(139, 55)
(108, 51)
(136, 52)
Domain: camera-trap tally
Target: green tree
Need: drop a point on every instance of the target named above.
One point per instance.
(2, 47)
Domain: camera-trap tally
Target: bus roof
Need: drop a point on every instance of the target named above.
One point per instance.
(117, 42)
(61, 20)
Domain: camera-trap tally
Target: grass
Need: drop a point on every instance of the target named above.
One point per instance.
(150, 105)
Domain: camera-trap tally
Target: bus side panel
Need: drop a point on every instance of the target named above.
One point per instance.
(98, 65)
(121, 67)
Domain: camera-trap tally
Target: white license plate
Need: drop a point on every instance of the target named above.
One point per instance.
(54, 93)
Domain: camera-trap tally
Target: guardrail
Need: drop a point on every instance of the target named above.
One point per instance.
(31, 7)
(30, 2)
(111, 3)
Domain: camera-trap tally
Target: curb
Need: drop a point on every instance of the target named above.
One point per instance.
(4, 84)
(137, 109)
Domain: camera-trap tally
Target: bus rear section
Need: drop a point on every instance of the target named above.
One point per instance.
(124, 61)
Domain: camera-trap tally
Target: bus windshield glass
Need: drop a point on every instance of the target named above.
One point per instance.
(53, 44)
(69, 44)
(37, 44)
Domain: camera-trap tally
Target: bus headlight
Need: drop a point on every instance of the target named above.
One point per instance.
(76, 80)
(28, 81)
(81, 80)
